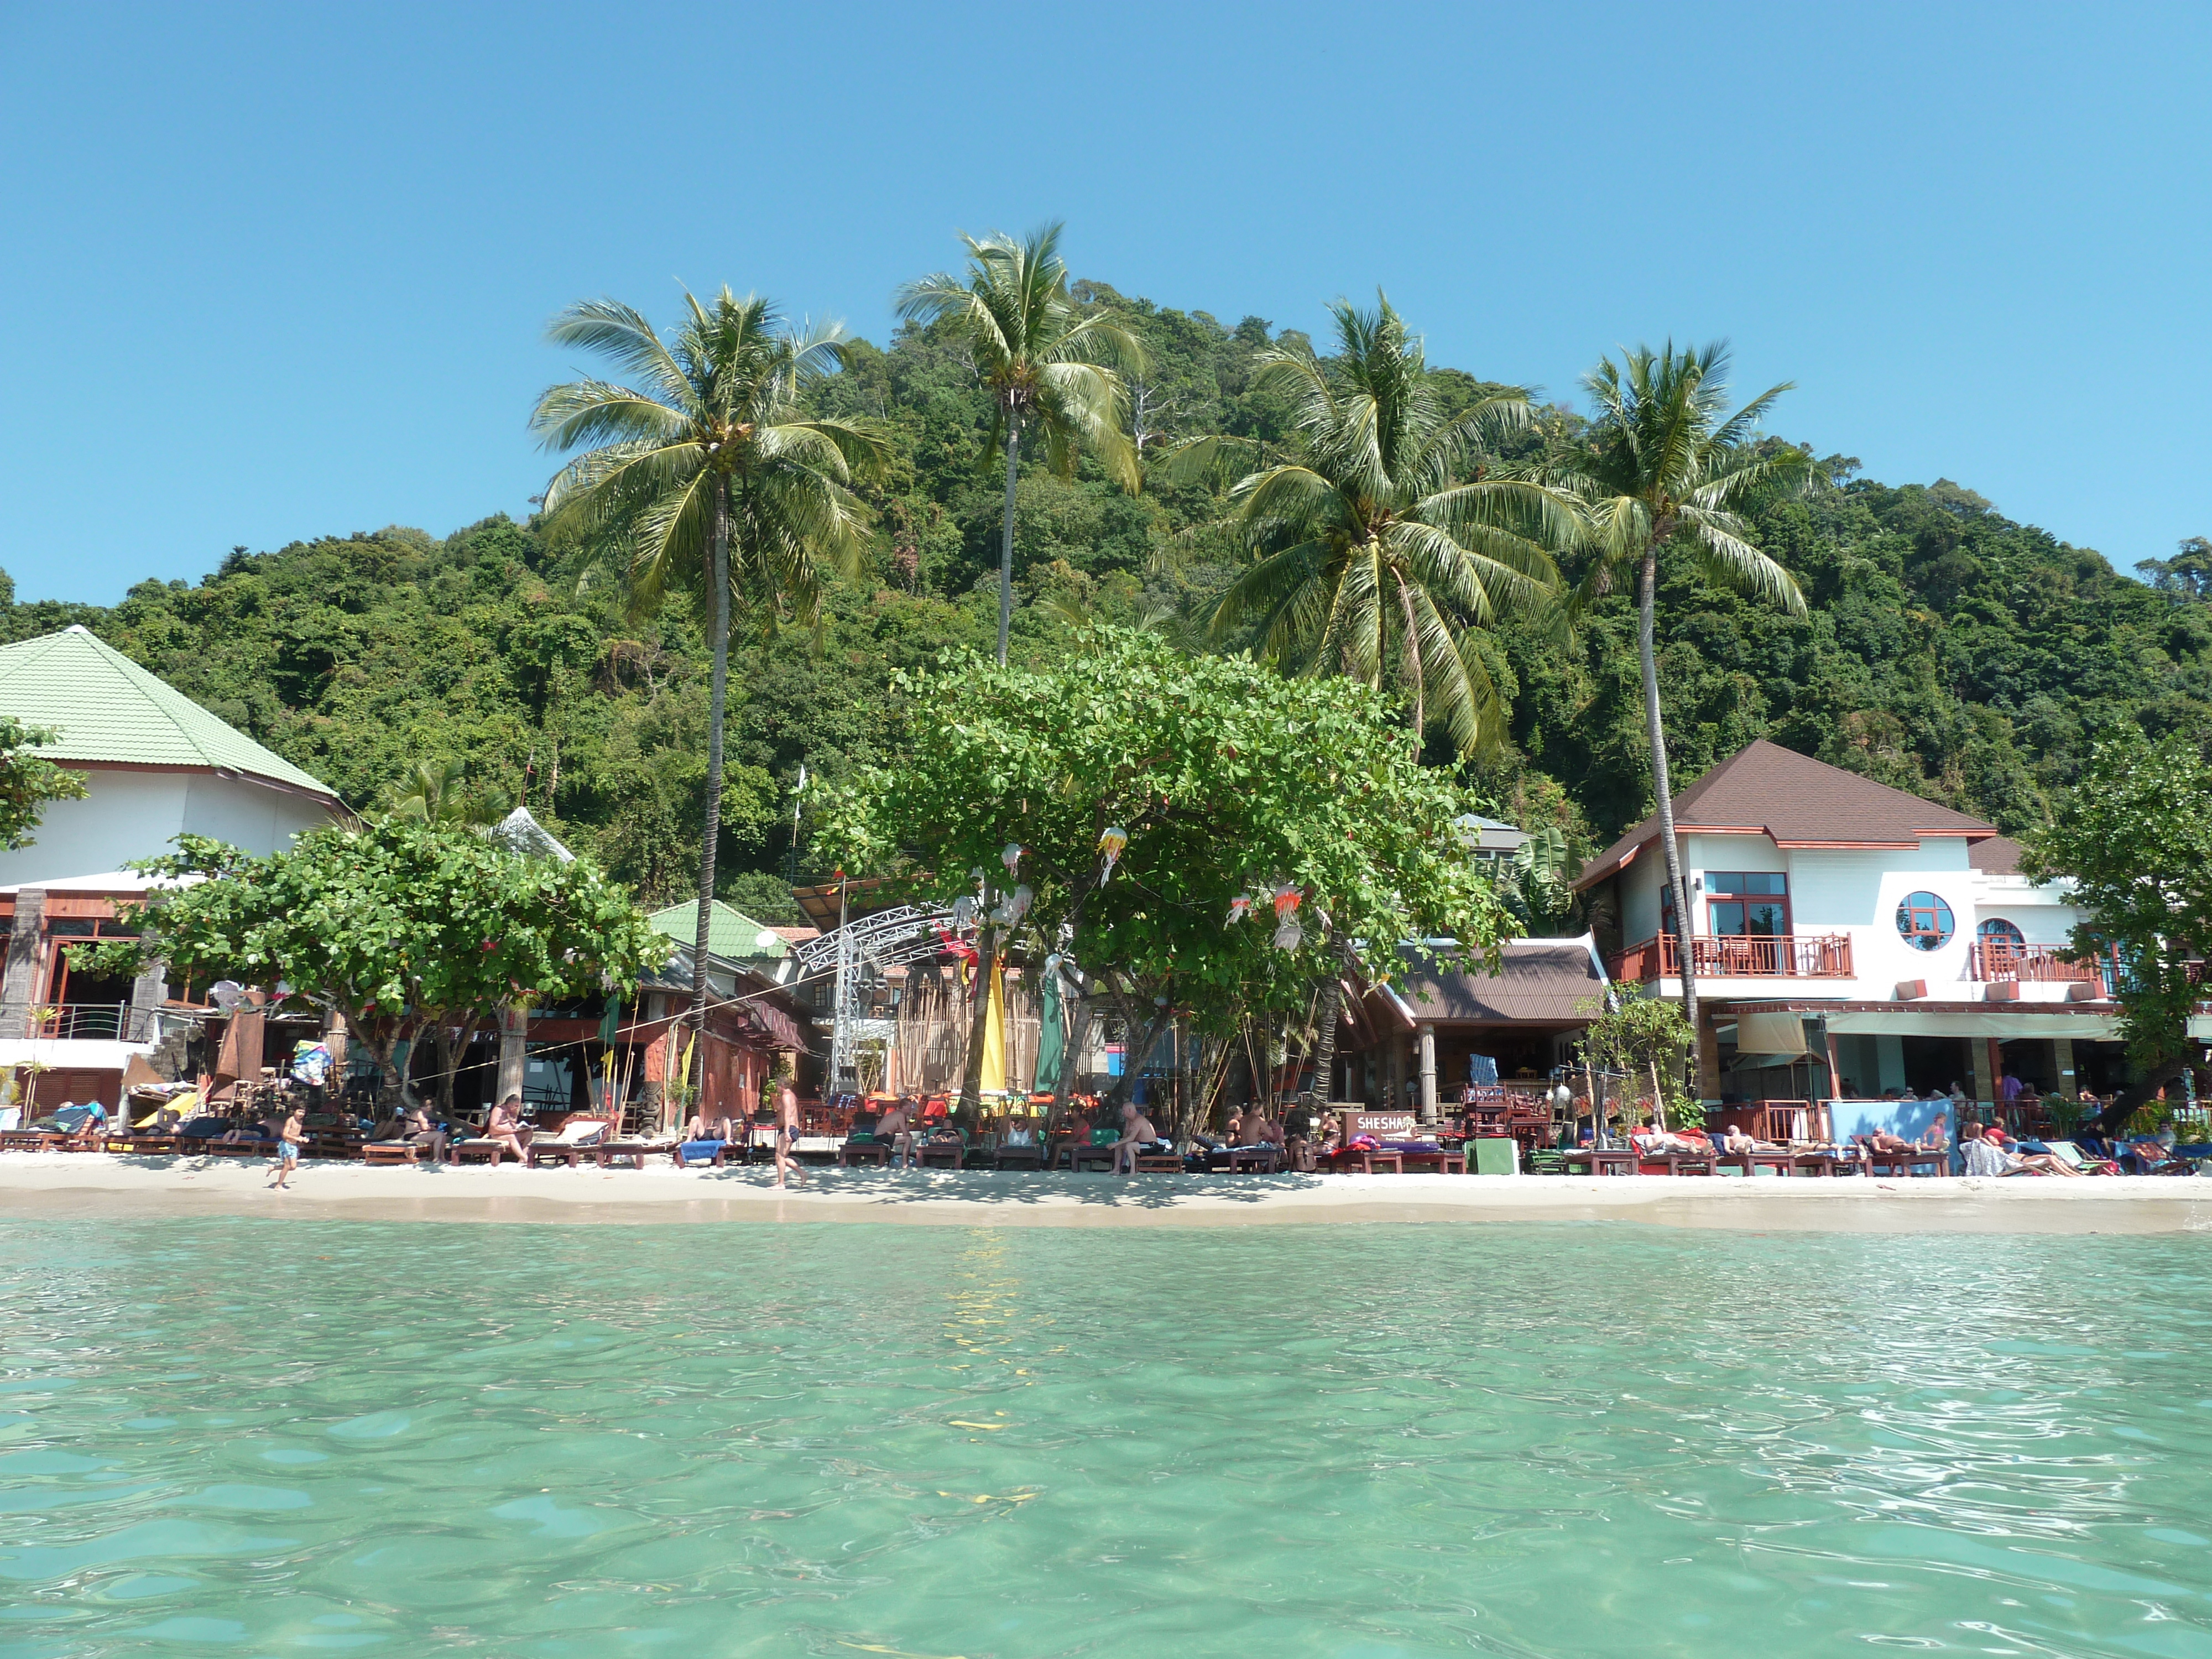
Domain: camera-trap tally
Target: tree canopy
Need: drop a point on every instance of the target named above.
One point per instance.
(1945, 649)
(397, 925)
(2136, 842)
(1161, 804)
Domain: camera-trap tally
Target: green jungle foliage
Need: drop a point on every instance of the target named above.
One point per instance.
(1948, 650)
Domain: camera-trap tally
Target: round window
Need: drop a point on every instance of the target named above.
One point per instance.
(1924, 921)
(2002, 935)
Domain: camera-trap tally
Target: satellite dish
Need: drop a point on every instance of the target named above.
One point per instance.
(764, 940)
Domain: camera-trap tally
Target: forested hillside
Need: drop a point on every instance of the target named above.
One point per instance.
(1949, 650)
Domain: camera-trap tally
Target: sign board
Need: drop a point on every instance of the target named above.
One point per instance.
(1383, 1126)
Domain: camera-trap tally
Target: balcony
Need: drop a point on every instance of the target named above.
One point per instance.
(1999, 960)
(1778, 956)
(74, 1020)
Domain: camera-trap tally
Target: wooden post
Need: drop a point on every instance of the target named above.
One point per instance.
(1428, 1073)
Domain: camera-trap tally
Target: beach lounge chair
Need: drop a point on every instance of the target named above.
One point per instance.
(1443, 1160)
(1019, 1154)
(493, 1152)
(1780, 1160)
(578, 1135)
(712, 1153)
(946, 1148)
(405, 1150)
(608, 1153)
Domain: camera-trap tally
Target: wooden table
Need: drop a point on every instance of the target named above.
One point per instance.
(1367, 1163)
(1601, 1160)
(1443, 1160)
(608, 1153)
(1265, 1159)
(878, 1153)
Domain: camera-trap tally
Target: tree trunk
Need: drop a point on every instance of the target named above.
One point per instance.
(1332, 1004)
(717, 705)
(1139, 1052)
(987, 963)
(1006, 539)
(1647, 604)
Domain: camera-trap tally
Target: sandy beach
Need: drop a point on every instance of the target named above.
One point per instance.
(62, 1186)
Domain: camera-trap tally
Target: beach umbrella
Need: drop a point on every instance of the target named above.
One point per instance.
(1052, 1039)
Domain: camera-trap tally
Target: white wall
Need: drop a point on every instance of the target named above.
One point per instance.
(124, 816)
(130, 816)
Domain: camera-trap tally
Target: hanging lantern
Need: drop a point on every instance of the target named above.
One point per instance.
(1017, 905)
(963, 913)
(1288, 898)
(1012, 856)
(1288, 934)
(1239, 908)
(1111, 842)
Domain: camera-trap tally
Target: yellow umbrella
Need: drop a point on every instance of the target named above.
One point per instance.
(992, 1080)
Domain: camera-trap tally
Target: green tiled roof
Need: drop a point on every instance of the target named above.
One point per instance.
(730, 932)
(107, 708)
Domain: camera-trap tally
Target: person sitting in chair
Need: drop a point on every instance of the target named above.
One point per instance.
(702, 1127)
(505, 1126)
(895, 1129)
(1137, 1136)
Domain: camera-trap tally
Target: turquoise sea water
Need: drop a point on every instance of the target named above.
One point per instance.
(261, 1437)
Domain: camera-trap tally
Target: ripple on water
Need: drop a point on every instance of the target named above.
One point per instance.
(1535, 1441)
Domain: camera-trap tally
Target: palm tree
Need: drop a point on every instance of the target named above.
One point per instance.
(1383, 545)
(1050, 366)
(1660, 467)
(708, 474)
(435, 792)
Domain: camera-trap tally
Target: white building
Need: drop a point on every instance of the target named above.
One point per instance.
(156, 765)
(1850, 938)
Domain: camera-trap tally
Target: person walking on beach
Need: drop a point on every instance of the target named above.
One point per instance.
(786, 1134)
(288, 1146)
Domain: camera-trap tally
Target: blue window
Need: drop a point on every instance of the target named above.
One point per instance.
(1924, 921)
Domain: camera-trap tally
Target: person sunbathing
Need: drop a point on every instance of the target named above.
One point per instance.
(1735, 1141)
(505, 1126)
(895, 1130)
(1987, 1155)
(1138, 1134)
(416, 1128)
(1881, 1140)
(702, 1127)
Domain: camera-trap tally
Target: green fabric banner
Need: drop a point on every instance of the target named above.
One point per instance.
(1052, 1039)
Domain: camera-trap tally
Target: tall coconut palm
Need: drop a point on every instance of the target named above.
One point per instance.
(709, 475)
(1383, 546)
(1661, 467)
(1052, 368)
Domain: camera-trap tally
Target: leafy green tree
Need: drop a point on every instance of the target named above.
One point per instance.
(2187, 574)
(2135, 842)
(1380, 546)
(1661, 467)
(708, 473)
(28, 781)
(437, 792)
(401, 927)
(1050, 366)
(1228, 782)
(1643, 1039)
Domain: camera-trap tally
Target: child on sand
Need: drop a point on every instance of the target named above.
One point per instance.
(287, 1145)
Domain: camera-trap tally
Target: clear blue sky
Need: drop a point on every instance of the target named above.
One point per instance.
(271, 273)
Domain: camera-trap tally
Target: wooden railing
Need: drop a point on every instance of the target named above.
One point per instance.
(2040, 964)
(1783, 956)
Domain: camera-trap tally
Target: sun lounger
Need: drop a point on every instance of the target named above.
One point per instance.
(393, 1151)
(493, 1152)
(871, 1150)
(1023, 1155)
(1906, 1162)
(1441, 1159)
(608, 1153)
(689, 1152)
(1258, 1160)
(944, 1150)
(1780, 1160)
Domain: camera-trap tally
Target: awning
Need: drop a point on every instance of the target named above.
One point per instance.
(772, 1023)
(1779, 1035)
(1977, 1023)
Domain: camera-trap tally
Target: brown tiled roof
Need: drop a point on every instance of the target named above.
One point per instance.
(1797, 801)
(1537, 980)
(1997, 855)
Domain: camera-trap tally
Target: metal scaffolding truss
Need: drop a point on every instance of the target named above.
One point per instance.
(879, 940)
